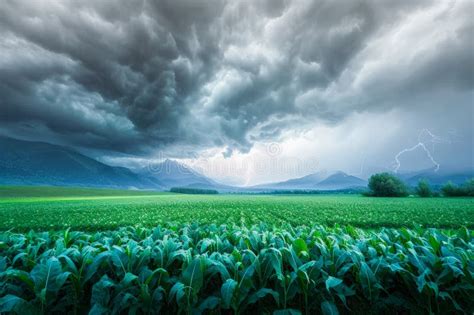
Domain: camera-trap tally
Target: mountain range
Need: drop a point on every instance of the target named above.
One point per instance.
(317, 181)
(39, 163)
(170, 173)
(437, 178)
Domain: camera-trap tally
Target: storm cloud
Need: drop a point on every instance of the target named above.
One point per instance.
(139, 76)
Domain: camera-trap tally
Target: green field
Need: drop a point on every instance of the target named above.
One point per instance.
(109, 251)
(108, 209)
(61, 192)
(230, 269)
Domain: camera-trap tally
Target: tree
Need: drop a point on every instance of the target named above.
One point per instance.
(451, 190)
(469, 187)
(386, 185)
(423, 189)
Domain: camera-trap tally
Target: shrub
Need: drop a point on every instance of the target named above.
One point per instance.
(423, 189)
(387, 185)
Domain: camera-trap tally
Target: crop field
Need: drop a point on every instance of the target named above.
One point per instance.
(231, 269)
(105, 252)
(102, 211)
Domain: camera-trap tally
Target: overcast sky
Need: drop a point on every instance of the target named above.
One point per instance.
(246, 91)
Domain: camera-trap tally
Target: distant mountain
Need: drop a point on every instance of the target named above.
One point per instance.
(437, 178)
(316, 181)
(173, 174)
(341, 180)
(39, 163)
(305, 182)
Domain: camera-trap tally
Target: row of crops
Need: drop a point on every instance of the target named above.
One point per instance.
(103, 213)
(233, 269)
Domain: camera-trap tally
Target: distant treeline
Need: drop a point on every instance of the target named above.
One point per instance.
(388, 185)
(193, 191)
(308, 192)
(452, 190)
(380, 185)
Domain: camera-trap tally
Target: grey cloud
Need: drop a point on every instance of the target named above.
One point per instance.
(147, 75)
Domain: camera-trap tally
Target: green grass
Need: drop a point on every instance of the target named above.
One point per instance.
(99, 211)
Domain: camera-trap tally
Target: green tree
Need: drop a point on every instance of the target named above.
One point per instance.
(387, 185)
(469, 187)
(423, 189)
(451, 190)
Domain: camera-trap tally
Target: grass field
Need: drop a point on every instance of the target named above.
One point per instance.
(61, 192)
(84, 209)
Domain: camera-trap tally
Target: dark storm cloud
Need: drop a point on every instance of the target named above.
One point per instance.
(119, 55)
(144, 75)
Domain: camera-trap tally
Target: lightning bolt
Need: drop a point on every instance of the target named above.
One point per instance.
(421, 144)
(418, 145)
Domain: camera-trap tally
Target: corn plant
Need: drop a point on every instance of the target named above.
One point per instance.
(194, 269)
